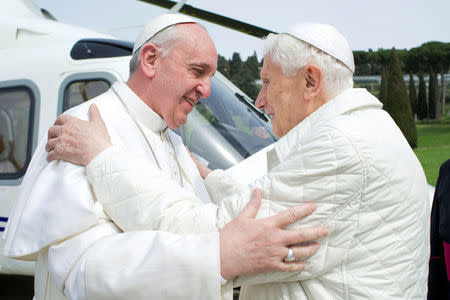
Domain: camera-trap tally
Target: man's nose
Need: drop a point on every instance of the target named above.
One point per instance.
(260, 100)
(204, 88)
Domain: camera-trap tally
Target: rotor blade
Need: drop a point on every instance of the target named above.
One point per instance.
(176, 7)
(214, 18)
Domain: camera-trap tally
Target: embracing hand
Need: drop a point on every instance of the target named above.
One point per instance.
(77, 141)
(252, 246)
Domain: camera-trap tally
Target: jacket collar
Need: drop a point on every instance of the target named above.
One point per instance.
(347, 101)
(138, 110)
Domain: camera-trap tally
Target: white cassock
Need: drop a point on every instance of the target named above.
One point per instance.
(58, 222)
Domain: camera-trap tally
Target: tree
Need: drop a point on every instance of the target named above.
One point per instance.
(433, 95)
(253, 66)
(383, 86)
(412, 94)
(223, 66)
(422, 110)
(397, 103)
(241, 75)
(235, 65)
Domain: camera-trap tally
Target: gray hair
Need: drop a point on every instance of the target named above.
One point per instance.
(293, 54)
(163, 39)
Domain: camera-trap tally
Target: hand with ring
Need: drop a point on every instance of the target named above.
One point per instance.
(291, 256)
(251, 246)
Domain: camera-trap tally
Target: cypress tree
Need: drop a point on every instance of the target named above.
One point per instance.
(383, 87)
(432, 94)
(412, 94)
(422, 111)
(397, 104)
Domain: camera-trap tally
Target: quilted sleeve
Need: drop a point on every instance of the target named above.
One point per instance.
(137, 195)
(326, 169)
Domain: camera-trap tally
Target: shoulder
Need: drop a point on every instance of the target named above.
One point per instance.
(82, 111)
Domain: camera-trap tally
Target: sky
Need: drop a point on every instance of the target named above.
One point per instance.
(402, 24)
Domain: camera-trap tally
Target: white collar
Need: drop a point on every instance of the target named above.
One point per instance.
(138, 110)
(351, 99)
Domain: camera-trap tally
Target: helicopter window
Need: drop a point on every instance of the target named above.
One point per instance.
(78, 92)
(100, 48)
(222, 130)
(16, 119)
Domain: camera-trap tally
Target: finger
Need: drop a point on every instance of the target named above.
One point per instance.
(292, 214)
(51, 144)
(61, 119)
(292, 266)
(303, 235)
(51, 156)
(305, 251)
(54, 131)
(251, 210)
(94, 114)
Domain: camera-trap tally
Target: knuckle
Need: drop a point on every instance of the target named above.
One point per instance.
(59, 148)
(292, 215)
(301, 236)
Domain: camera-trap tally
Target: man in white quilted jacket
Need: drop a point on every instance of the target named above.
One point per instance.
(337, 148)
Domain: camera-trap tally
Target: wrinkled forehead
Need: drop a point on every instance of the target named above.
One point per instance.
(270, 66)
(195, 47)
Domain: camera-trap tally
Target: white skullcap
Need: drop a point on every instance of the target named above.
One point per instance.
(326, 38)
(157, 24)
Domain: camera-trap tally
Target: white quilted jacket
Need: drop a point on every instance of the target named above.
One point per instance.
(351, 159)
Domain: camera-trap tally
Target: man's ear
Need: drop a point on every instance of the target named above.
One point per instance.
(149, 57)
(314, 81)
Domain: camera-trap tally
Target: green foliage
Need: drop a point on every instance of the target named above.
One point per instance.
(383, 87)
(422, 110)
(432, 94)
(397, 101)
(243, 74)
(223, 65)
(434, 147)
(253, 66)
(412, 94)
(431, 54)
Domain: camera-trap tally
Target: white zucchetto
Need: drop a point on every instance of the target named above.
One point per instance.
(157, 24)
(326, 38)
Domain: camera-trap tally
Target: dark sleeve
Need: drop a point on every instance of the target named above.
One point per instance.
(442, 195)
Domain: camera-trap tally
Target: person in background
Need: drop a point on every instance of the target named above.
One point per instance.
(439, 277)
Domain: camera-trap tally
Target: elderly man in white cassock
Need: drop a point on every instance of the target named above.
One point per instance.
(82, 254)
(337, 148)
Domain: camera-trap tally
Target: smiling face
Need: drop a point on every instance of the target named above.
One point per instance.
(281, 97)
(183, 76)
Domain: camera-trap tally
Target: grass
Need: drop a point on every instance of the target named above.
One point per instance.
(434, 147)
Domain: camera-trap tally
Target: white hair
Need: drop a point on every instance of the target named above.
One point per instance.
(164, 40)
(293, 54)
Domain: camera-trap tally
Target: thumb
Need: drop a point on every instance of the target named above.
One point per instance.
(94, 114)
(251, 210)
